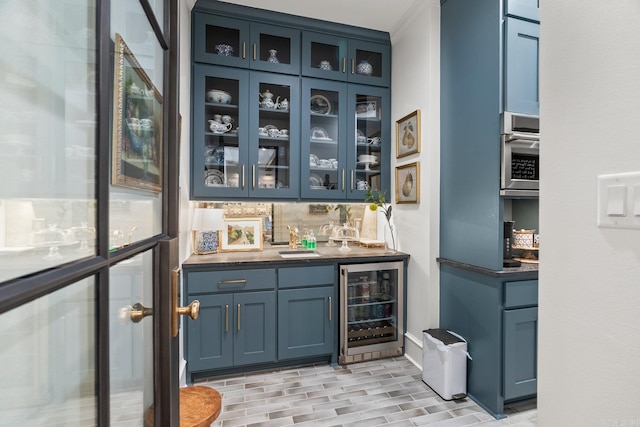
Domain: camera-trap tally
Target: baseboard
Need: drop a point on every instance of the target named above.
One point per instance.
(413, 350)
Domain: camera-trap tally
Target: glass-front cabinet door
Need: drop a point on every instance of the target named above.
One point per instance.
(220, 40)
(370, 63)
(239, 43)
(274, 131)
(220, 132)
(323, 136)
(369, 147)
(324, 56)
(331, 57)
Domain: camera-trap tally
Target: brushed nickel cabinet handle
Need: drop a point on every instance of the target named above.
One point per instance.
(353, 65)
(238, 317)
(244, 50)
(253, 177)
(242, 177)
(254, 52)
(232, 282)
(330, 308)
(343, 180)
(344, 64)
(352, 175)
(226, 318)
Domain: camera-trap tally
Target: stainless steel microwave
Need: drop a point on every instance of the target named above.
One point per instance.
(520, 141)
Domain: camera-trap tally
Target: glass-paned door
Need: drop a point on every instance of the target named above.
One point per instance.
(324, 139)
(219, 40)
(275, 49)
(131, 338)
(324, 56)
(220, 132)
(47, 359)
(370, 145)
(274, 135)
(70, 236)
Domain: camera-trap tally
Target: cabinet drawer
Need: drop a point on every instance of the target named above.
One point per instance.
(520, 294)
(321, 275)
(230, 280)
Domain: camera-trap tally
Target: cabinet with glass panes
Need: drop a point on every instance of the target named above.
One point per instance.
(343, 154)
(245, 136)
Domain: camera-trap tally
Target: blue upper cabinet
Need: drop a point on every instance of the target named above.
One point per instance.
(522, 57)
(525, 9)
(238, 43)
(337, 58)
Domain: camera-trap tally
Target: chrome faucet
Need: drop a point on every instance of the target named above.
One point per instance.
(293, 237)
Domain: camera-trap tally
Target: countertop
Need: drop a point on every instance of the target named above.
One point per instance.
(271, 255)
(524, 272)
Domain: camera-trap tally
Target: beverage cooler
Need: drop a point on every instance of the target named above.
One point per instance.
(371, 311)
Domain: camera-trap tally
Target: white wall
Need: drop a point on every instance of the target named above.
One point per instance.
(589, 295)
(416, 85)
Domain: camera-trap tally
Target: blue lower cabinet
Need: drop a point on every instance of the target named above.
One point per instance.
(520, 352)
(306, 322)
(254, 328)
(232, 330)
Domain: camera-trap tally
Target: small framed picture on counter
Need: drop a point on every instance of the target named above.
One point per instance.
(241, 234)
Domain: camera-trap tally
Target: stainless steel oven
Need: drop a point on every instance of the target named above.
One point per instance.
(520, 141)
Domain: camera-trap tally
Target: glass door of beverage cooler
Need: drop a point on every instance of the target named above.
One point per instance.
(371, 311)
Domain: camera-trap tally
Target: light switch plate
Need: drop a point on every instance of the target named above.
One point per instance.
(619, 200)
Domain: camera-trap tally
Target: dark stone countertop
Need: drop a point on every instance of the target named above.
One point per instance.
(524, 272)
(271, 257)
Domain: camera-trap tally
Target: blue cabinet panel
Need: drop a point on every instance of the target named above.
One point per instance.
(520, 352)
(520, 294)
(306, 322)
(209, 340)
(220, 40)
(297, 277)
(230, 280)
(254, 328)
(526, 9)
(522, 64)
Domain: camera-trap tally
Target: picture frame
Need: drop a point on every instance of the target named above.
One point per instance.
(408, 134)
(241, 234)
(367, 110)
(137, 145)
(408, 183)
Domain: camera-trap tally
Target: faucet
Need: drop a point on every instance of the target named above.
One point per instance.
(293, 237)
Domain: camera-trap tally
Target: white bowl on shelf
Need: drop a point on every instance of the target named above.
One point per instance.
(219, 96)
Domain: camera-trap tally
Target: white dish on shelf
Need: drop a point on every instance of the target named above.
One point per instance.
(214, 178)
(315, 181)
(320, 134)
(320, 105)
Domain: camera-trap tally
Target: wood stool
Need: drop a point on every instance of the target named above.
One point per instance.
(199, 407)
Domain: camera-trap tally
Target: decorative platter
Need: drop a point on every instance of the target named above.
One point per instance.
(320, 105)
(214, 178)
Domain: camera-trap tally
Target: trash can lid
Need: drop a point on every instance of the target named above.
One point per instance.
(443, 335)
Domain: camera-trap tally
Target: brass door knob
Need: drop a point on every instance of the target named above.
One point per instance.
(139, 312)
(192, 310)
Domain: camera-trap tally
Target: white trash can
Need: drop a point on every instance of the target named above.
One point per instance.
(444, 363)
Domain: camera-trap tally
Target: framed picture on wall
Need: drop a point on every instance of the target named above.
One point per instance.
(137, 124)
(408, 134)
(408, 183)
(241, 234)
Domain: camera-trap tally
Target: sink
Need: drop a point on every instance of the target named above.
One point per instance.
(303, 253)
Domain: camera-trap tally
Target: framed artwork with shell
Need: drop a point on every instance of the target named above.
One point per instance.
(408, 183)
(408, 134)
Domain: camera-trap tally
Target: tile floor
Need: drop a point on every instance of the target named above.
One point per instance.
(387, 392)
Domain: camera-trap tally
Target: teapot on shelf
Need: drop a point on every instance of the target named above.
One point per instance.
(283, 105)
(267, 100)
